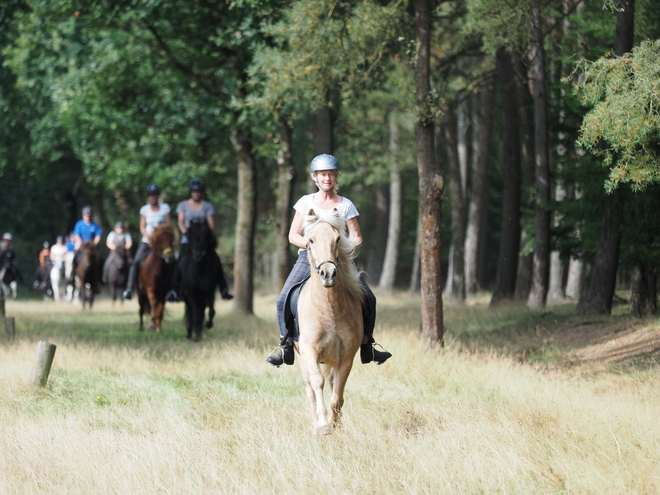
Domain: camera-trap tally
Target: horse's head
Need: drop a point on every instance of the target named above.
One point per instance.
(327, 245)
(89, 254)
(161, 242)
(200, 240)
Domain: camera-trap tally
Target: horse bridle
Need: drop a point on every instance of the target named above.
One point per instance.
(163, 254)
(316, 267)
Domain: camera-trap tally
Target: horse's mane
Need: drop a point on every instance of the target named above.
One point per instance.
(89, 248)
(348, 272)
(163, 230)
(202, 228)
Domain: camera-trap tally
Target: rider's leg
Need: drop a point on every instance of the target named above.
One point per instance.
(285, 350)
(368, 351)
(142, 252)
(222, 282)
(174, 294)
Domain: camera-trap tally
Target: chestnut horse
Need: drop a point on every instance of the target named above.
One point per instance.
(155, 277)
(87, 273)
(329, 316)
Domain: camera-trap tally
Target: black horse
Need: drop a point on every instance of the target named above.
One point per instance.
(10, 276)
(201, 272)
(118, 264)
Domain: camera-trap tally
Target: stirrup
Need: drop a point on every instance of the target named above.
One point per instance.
(368, 354)
(276, 357)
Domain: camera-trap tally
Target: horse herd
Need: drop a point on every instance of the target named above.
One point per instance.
(78, 278)
(329, 314)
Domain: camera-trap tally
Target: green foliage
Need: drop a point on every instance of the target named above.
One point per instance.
(624, 125)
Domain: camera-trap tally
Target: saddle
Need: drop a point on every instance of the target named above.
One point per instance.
(291, 313)
(291, 310)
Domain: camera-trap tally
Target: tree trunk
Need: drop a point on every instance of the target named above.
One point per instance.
(324, 119)
(557, 266)
(602, 284)
(286, 176)
(245, 222)
(415, 282)
(378, 234)
(644, 291)
(540, 269)
(388, 273)
(574, 279)
(525, 258)
(505, 281)
(482, 111)
(430, 186)
(455, 284)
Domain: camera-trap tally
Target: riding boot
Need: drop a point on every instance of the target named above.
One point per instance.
(283, 354)
(368, 351)
(132, 275)
(174, 295)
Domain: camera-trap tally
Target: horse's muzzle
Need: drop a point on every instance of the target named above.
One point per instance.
(328, 274)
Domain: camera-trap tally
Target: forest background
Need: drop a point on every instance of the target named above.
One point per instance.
(543, 117)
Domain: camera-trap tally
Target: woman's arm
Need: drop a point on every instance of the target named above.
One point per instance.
(354, 232)
(209, 220)
(181, 223)
(295, 232)
(143, 226)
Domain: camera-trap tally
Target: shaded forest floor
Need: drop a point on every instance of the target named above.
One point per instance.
(561, 337)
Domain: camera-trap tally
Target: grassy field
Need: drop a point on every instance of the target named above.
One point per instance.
(516, 403)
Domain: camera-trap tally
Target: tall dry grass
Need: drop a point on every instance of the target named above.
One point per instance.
(143, 414)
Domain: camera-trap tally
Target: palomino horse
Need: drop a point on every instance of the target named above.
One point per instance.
(199, 277)
(155, 278)
(329, 316)
(87, 273)
(118, 264)
(61, 274)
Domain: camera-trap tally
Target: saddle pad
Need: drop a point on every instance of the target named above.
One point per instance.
(291, 309)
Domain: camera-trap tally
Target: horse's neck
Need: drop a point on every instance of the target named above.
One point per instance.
(333, 296)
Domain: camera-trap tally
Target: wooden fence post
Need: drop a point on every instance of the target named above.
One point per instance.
(45, 354)
(10, 328)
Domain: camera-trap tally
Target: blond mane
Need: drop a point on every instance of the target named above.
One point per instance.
(348, 272)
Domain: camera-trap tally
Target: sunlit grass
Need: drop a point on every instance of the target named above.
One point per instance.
(137, 412)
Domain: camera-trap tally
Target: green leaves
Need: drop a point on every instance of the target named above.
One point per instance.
(624, 125)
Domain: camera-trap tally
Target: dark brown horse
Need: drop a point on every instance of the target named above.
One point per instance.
(119, 263)
(87, 273)
(155, 277)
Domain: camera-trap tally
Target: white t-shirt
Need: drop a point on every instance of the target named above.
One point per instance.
(345, 207)
(153, 218)
(57, 253)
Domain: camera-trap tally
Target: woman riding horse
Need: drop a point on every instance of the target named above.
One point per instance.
(324, 170)
(195, 209)
(153, 214)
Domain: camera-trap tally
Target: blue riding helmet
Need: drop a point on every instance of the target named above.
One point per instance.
(153, 190)
(119, 224)
(87, 210)
(323, 162)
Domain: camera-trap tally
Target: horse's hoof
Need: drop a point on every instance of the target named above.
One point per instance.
(208, 324)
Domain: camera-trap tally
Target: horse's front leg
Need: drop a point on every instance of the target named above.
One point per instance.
(156, 311)
(315, 381)
(338, 379)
